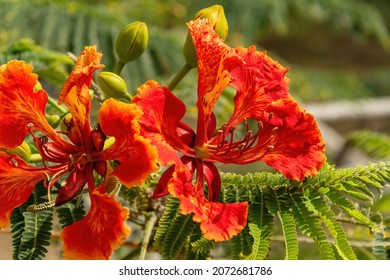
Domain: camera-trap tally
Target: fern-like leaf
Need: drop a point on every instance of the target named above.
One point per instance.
(260, 223)
(341, 202)
(241, 244)
(310, 225)
(318, 205)
(70, 212)
(198, 247)
(31, 232)
(36, 235)
(17, 228)
(174, 230)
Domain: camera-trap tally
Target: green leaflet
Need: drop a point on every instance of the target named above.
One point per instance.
(290, 235)
(36, 235)
(174, 230)
(260, 223)
(310, 225)
(71, 212)
(318, 205)
(242, 244)
(198, 247)
(278, 204)
(31, 232)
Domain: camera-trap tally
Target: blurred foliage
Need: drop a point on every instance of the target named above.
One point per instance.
(376, 145)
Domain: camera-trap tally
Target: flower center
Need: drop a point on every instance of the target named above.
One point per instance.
(225, 144)
(58, 158)
(201, 152)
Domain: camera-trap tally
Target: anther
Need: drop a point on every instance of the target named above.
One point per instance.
(44, 139)
(14, 162)
(41, 207)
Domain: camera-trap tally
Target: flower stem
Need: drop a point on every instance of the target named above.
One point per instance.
(179, 76)
(151, 219)
(55, 105)
(128, 97)
(118, 67)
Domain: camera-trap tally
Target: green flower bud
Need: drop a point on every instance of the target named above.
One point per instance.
(217, 18)
(112, 85)
(23, 151)
(54, 120)
(131, 42)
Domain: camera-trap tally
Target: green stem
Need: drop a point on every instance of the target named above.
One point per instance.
(128, 97)
(118, 67)
(151, 219)
(179, 76)
(55, 105)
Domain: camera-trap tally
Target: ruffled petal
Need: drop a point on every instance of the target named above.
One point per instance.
(136, 154)
(100, 232)
(259, 81)
(215, 61)
(17, 182)
(75, 92)
(218, 221)
(160, 122)
(21, 106)
(297, 149)
(289, 140)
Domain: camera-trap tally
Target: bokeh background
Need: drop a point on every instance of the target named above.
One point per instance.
(338, 53)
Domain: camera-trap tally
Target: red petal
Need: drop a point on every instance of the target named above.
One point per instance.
(17, 182)
(135, 153)
(100, 232)
(211, 174)
(215, 61)
(20, 104)
(289, 141)
(218, 221)
(161, 120)
(259, 82)
(298, 148)
(162, 185)
(75, 93)
(72, 187)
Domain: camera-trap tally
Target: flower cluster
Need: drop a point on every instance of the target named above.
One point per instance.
(74, 154)
(149, 132)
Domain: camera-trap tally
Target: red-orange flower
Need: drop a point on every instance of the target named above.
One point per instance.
(71, 156)
(284, 136)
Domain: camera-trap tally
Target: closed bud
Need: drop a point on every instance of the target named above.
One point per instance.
(131, 42)
(23, 151)
(216, 16)
(112, 85)
(54, 120)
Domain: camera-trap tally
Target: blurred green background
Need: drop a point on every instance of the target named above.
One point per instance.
(338, 53)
